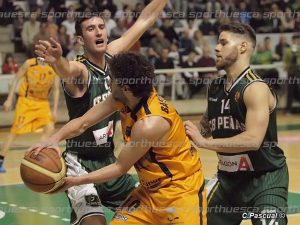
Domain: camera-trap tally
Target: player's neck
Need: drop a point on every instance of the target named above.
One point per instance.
(97, 59)
(235, 70)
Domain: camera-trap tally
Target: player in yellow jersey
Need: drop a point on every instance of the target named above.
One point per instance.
(169, 169)
(32, 109)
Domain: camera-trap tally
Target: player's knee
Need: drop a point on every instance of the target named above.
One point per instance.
(94, 220)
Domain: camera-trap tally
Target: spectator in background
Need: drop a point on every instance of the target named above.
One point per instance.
(174, 54)
(199, 41)
(152, 55)
(51, 27)
(69, 23)
(30, 29)
(287, 21)
(276, 20)
(75, 51)
(206, 26)
(9, 66)
(119, 30)
(169, 31)
(109, 22)
(244, 13)
(191, 78)
(220, 19)
(106, 4)
(206, 61)
(281, 46)
(165, 62)
(192, 26)
(159, 42)
(43, 34)
(64, 39)
(186, 44)
(292, 66)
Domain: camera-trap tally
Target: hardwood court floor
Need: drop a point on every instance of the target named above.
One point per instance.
(19, 206)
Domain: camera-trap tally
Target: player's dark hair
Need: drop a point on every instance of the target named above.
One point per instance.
(133, 70)
(81, 18)
(240, 28)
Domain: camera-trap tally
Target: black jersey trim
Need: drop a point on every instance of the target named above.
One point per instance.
(161, 165)
(239, 77)
(137, 108)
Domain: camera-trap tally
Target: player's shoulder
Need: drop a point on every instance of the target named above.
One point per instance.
(251, 76)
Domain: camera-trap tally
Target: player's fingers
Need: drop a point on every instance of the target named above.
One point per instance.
(39, 53)
(53, 42)
(41, 48)
(44, 43)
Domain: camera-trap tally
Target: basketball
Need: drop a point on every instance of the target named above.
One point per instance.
(43, 173)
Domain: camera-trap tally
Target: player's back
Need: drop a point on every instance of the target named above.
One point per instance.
(170, 159)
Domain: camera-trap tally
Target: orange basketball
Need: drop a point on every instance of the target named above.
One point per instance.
(43, 173)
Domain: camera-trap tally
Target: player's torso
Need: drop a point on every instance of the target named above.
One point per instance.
(37, 81)
(171, 158)
(98, 139)
(227, 115)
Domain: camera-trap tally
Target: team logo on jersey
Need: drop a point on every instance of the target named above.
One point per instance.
(102, 135)
(234, 163)
(237, 96)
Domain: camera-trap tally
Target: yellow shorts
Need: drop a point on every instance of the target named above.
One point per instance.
(181, 202)
(31, 115)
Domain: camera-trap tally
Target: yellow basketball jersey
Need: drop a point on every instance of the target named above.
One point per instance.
(169, 160)
(37, 81)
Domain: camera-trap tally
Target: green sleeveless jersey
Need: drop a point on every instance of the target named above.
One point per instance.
(227, 115)
(97, 141)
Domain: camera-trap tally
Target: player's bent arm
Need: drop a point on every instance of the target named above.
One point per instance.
(150, 129)
(204, 125)
(256, 98)
(77, 126)
(147, 18)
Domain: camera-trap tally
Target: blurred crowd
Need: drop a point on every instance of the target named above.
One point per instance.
(180, 38)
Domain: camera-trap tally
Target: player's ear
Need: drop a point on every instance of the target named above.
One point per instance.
(80, 40)
(243, 47)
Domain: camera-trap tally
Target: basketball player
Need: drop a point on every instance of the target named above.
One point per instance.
(32, 109)
(85, 83)
(241, 118)
(172, 183)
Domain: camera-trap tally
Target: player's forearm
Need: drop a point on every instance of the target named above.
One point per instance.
(56, 94)
(109, 172)
(72, 129)
(152, 11)
(240, 143)
(62, 68)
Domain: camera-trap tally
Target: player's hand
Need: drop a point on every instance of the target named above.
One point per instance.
(48, 51)
(68, 182)
(35, 149)
(193, 132)
(7, 105)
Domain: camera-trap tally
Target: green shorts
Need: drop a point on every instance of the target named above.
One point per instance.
(261, 197)
(87, 200)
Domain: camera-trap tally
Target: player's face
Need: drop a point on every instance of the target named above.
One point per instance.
(116, 90)
(226, 50)
(94, 35)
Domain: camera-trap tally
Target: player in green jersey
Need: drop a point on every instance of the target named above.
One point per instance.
(252, 177)
(85, 83)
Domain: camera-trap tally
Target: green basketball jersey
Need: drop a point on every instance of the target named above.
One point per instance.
(97, 141)
(227, 115)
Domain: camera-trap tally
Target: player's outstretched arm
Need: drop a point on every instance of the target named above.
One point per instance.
(77, 126)
(149, 130)
(22, 71)
(256, 97)
(51, 53)
(147, 18)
